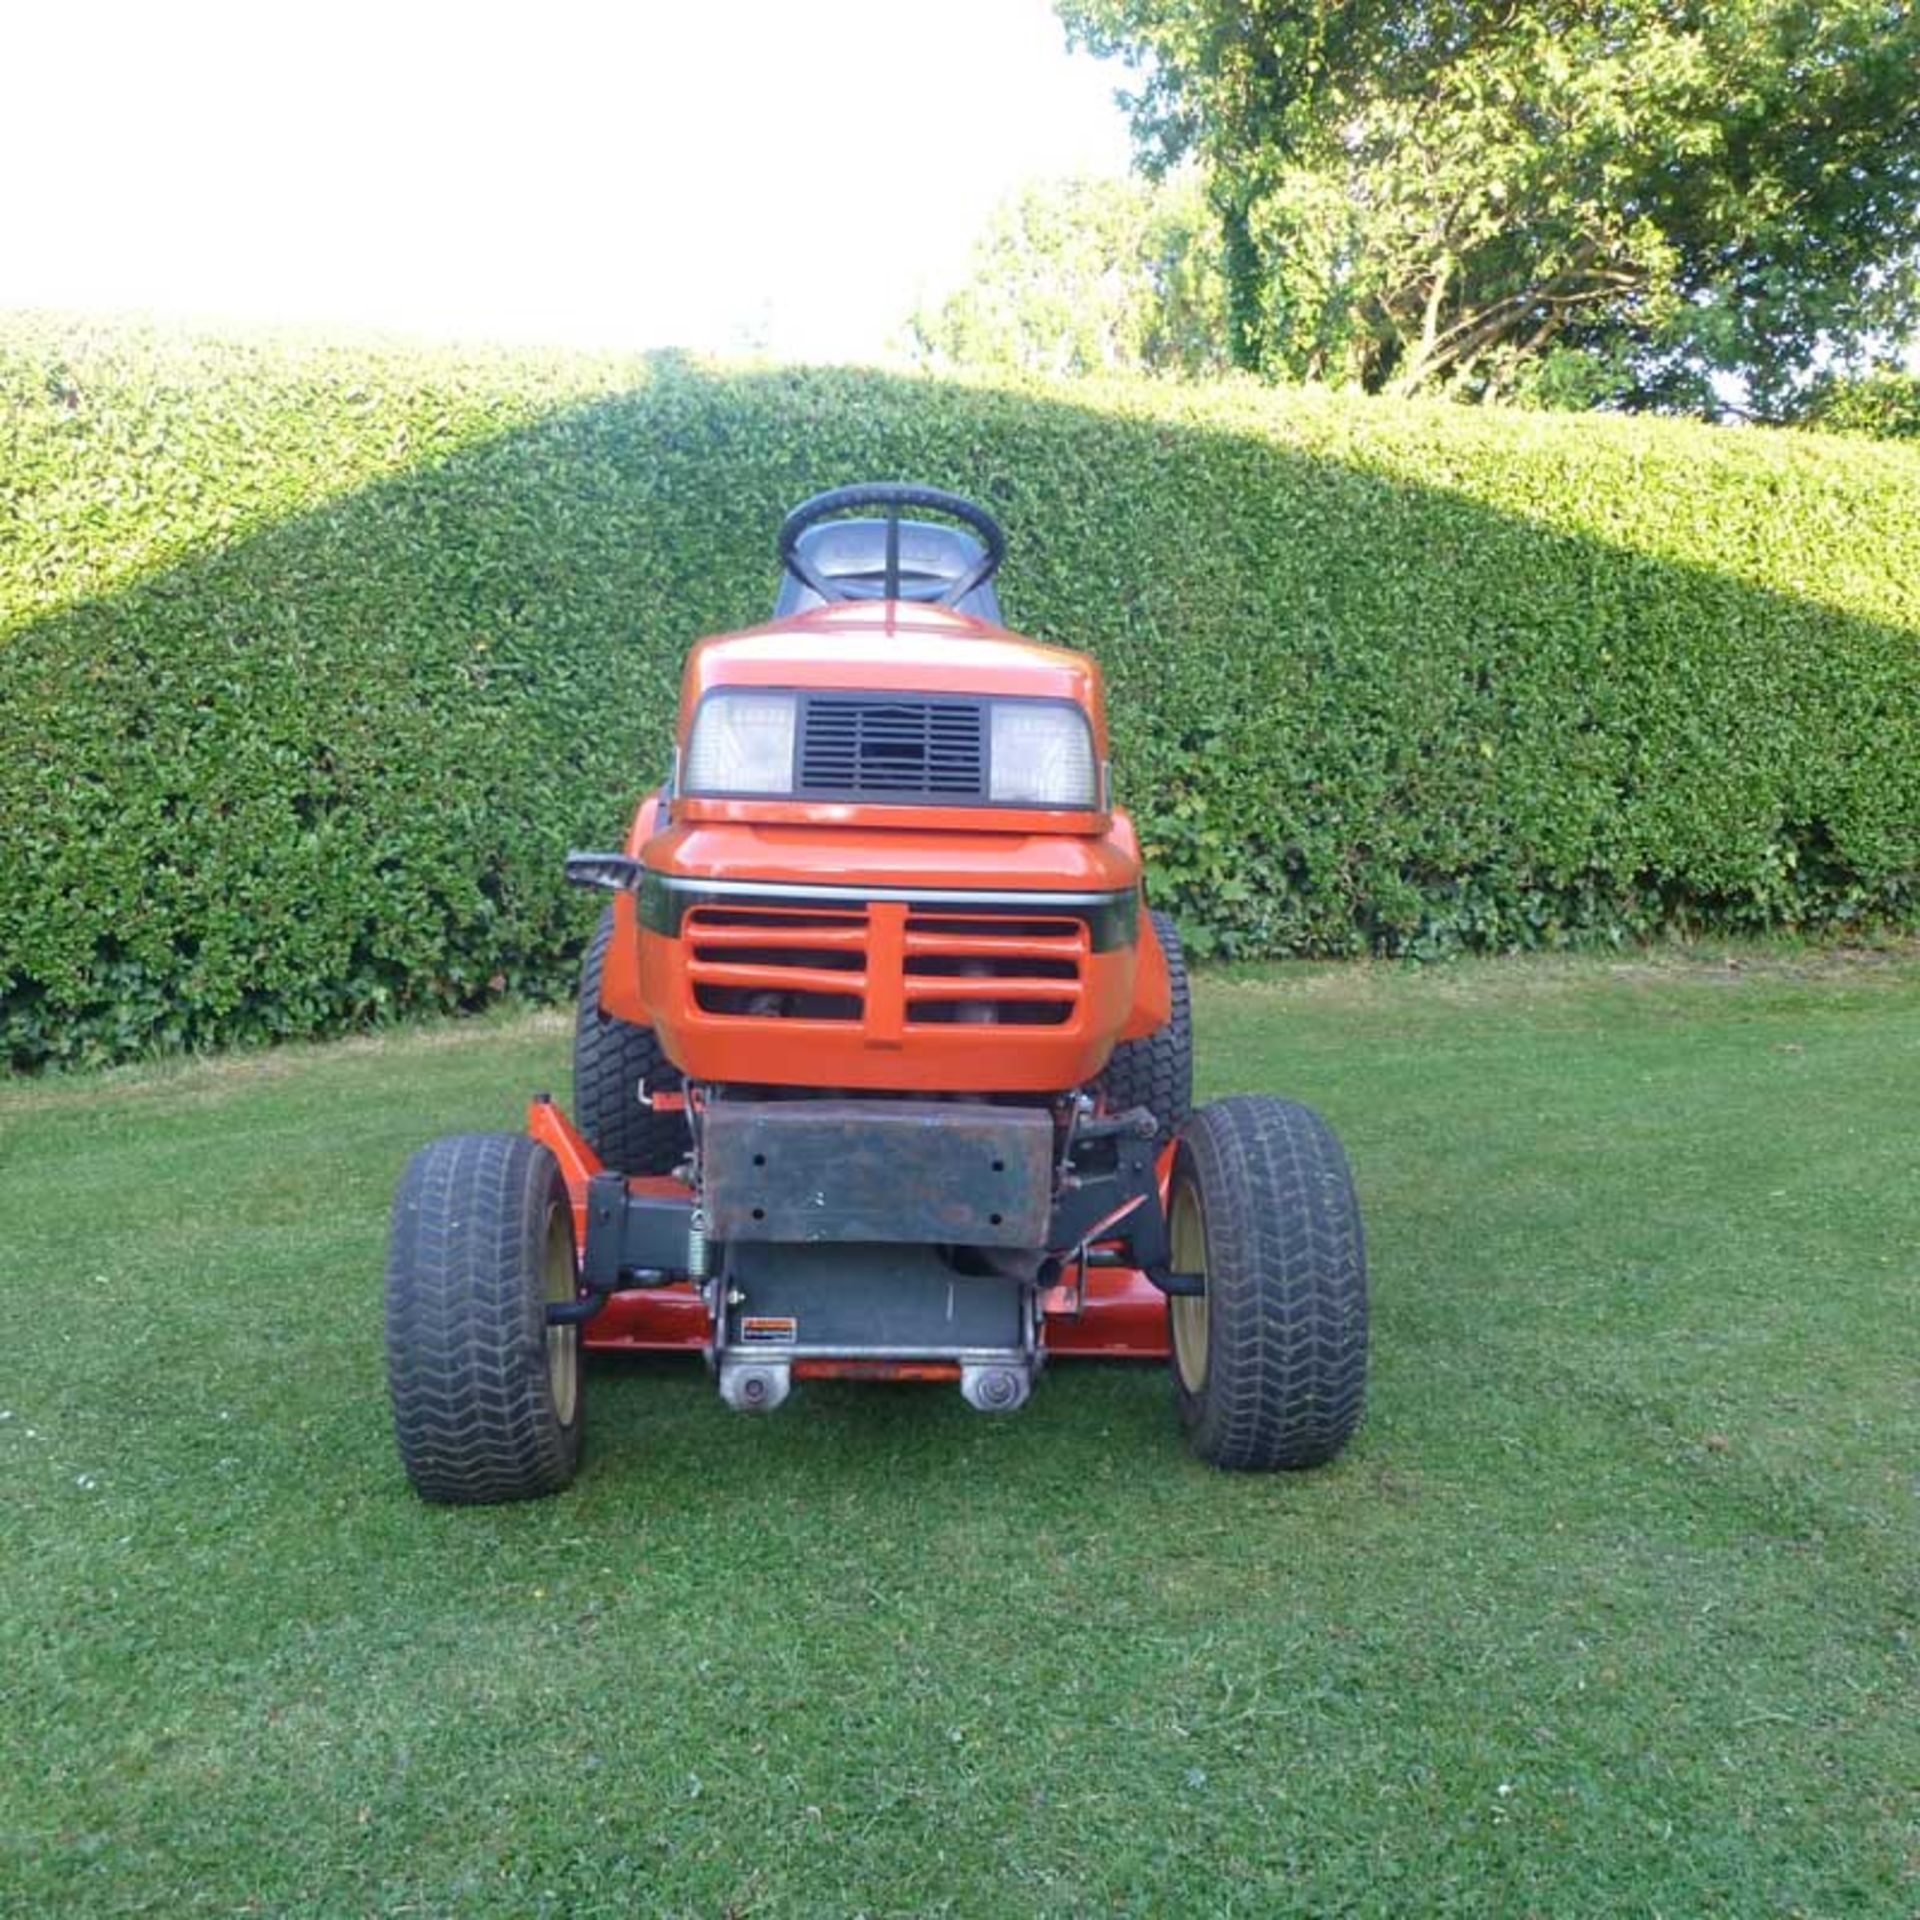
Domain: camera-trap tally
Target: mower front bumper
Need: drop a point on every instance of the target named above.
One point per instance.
(972, 962)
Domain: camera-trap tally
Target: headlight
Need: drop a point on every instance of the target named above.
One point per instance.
(1041, 755)
(742, 742)
(744, 739)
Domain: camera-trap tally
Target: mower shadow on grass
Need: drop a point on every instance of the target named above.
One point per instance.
(882, 1440)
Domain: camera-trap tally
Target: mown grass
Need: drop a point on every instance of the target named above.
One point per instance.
(1611, 1610)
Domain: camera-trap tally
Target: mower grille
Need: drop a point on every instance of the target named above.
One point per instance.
(992, 971)
(772, 963)
(882, 749)
(972, 968)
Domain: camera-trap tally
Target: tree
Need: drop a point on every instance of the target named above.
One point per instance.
(1627, 202)
(1883, 401)
(1083, 276)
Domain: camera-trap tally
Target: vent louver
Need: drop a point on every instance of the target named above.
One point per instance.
(893, 749)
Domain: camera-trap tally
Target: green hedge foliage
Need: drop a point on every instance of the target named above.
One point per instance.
(316, 657)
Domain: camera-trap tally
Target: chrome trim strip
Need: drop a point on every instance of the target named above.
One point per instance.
(913, 896)
(1112, 918)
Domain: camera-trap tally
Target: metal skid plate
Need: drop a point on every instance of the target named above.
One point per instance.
(791, 1306)
(936, 1173)
(875, 1298)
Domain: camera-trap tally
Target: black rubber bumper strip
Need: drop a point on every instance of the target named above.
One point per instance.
(1112, 919)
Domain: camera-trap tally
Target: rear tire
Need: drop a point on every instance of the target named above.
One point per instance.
(612, 1059)
(486, 1395)
(1270, 1364)
(1156, 1072)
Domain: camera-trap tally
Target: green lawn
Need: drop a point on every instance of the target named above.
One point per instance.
(1612, 1609)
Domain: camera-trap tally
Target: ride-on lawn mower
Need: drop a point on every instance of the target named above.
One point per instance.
(882, 1068)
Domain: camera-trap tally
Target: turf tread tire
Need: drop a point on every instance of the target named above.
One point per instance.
(467, 1372)
(611, 1060)
(1156, 1071)
(1286, 1371)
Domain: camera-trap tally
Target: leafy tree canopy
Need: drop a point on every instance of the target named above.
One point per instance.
(1088, 276)
(1883, 402)
(1595, 203)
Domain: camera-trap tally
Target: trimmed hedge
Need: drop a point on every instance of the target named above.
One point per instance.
(314, 658)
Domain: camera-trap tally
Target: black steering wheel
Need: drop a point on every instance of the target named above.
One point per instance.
(895, 499)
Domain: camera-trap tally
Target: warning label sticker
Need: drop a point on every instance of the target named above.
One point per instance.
(768, 1329)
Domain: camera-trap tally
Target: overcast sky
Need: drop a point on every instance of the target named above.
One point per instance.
(711, 175)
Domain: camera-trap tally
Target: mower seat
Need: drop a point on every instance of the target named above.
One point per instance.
(853, 554)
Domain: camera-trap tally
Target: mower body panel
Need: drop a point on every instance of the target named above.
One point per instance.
(965, 985)
(892, 944)
(1115, 1313)
(841, 871)
(892, 647)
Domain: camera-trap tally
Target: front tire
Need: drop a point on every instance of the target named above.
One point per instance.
(1156, 1071)
(612, 1060)
(486, 1395)
(1270, 1361)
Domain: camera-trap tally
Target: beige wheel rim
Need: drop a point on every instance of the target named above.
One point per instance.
(1188, 1232)
(563, 1343)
